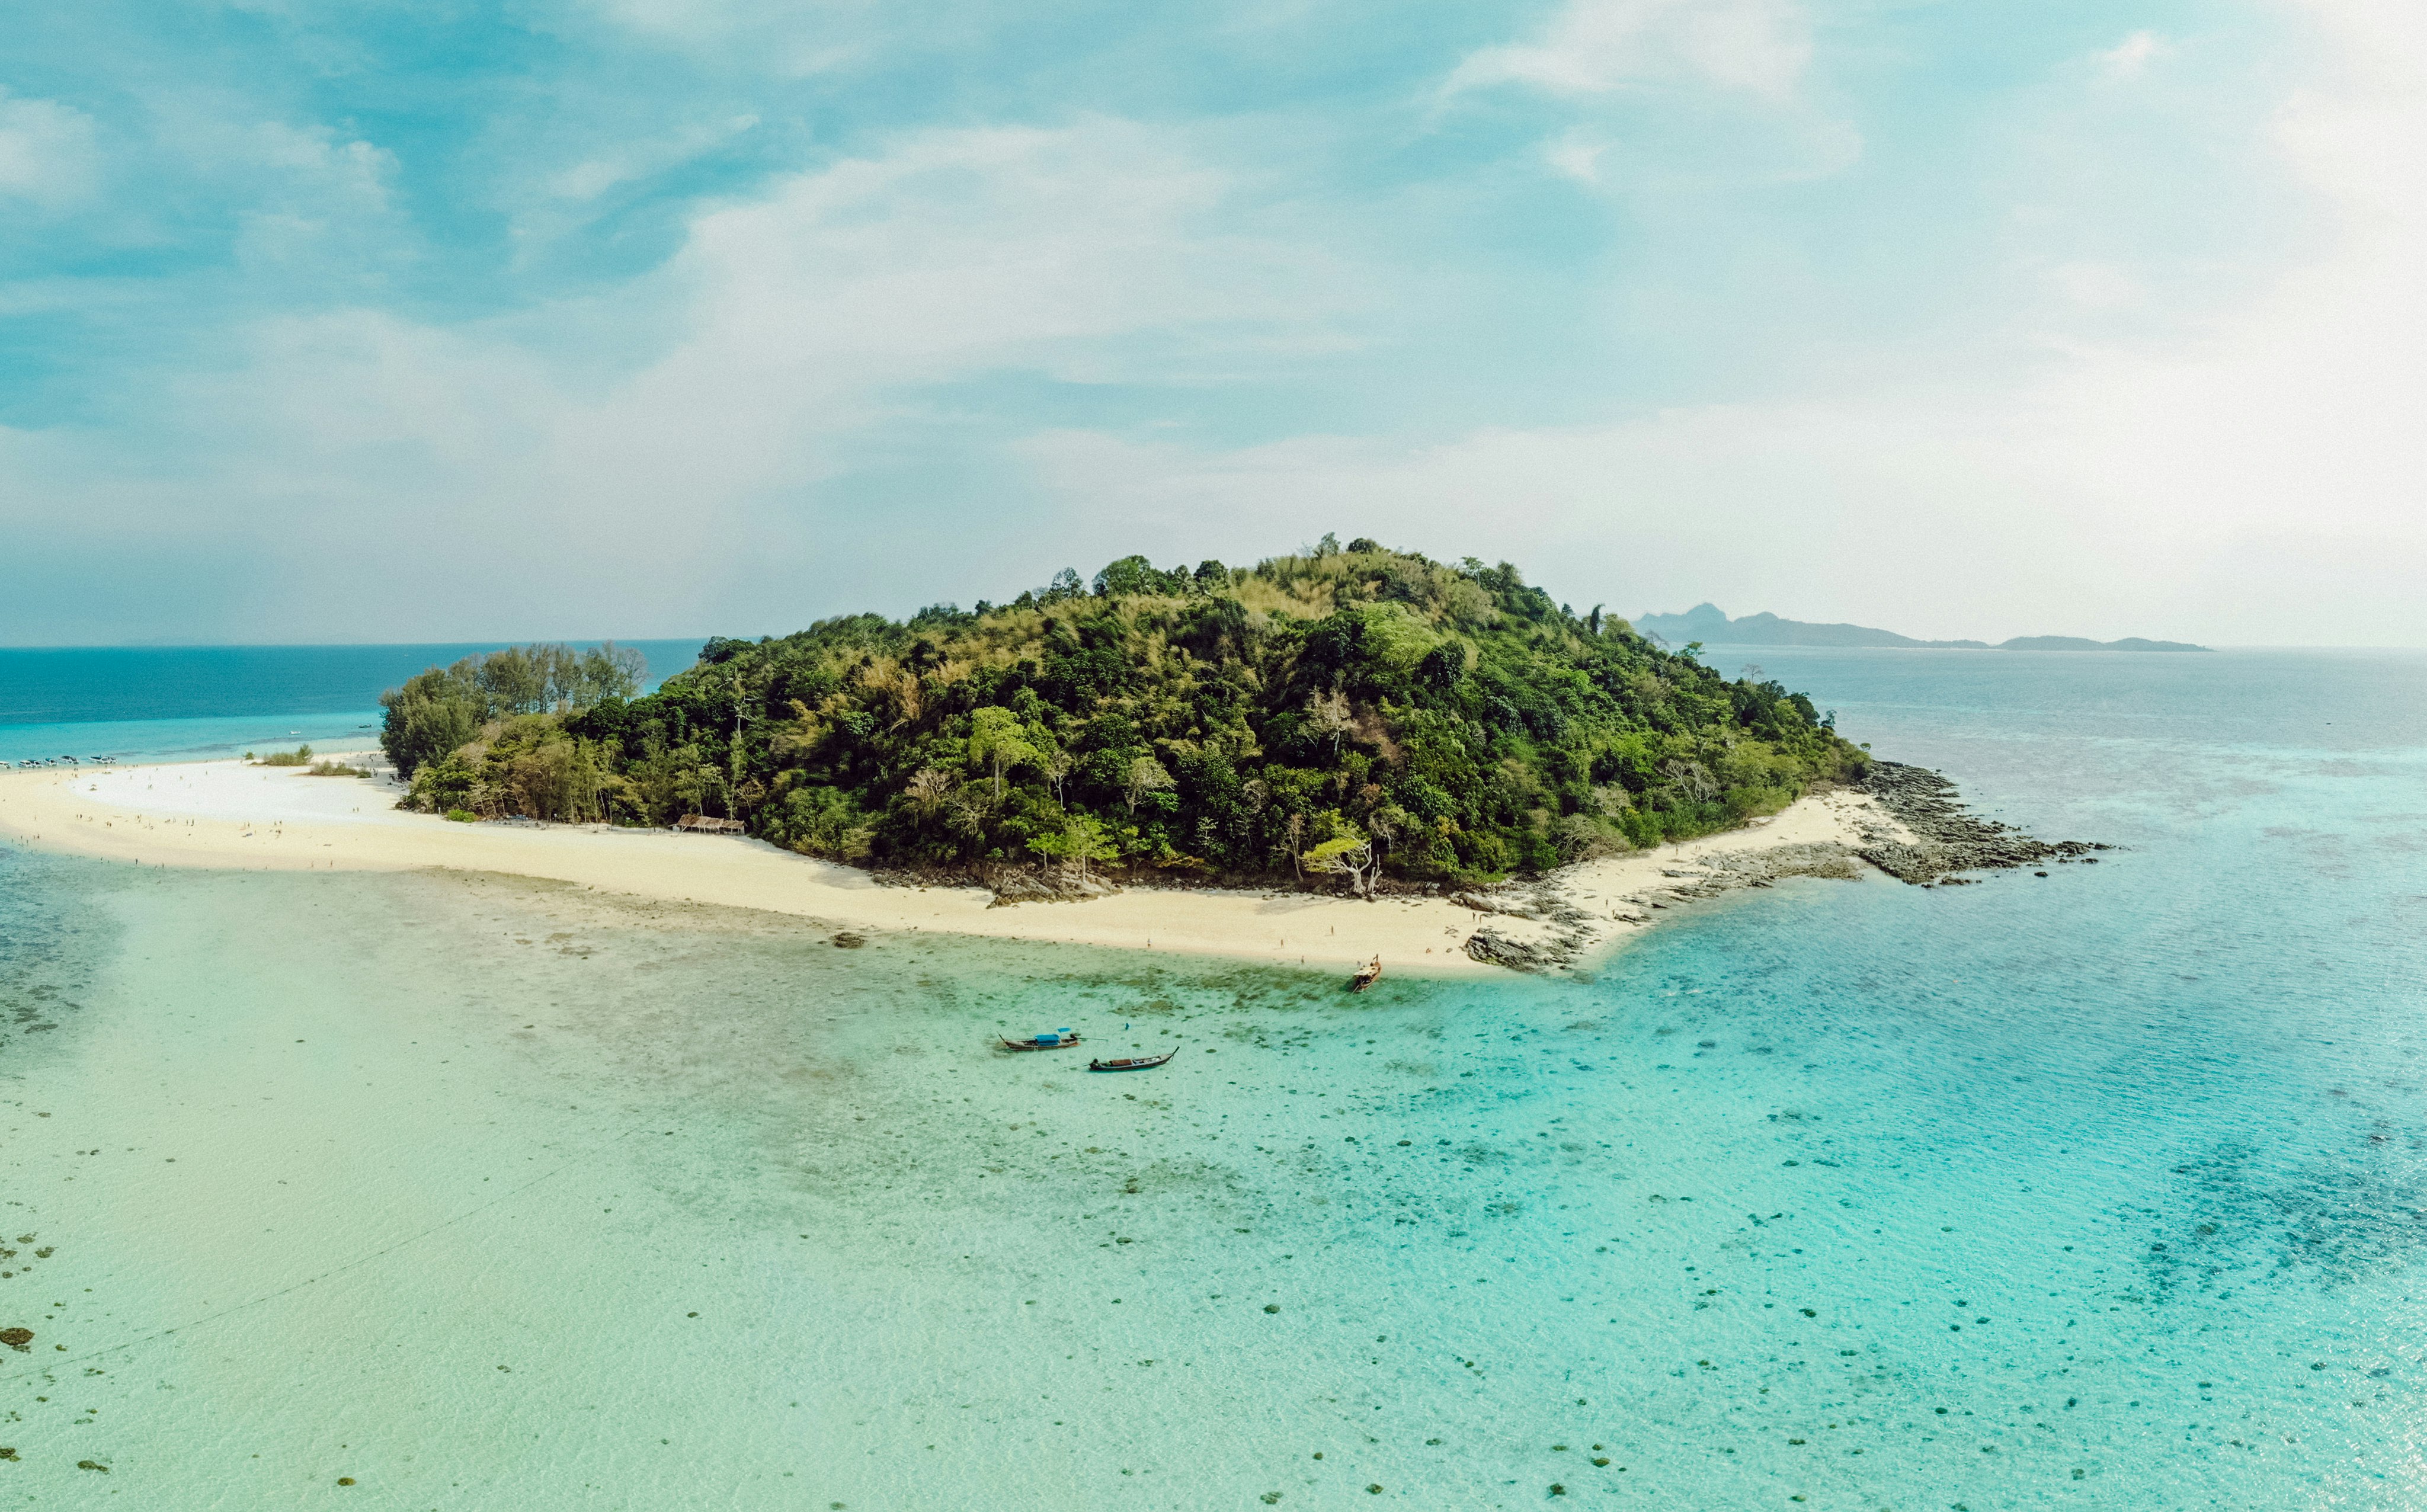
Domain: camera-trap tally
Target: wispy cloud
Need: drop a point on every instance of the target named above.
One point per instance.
(48, 160)
(2126, 59)
(789, 333)
(1757, 47)
(630, 316)
(2252, 476)
(1666, 89)
(798, 38)
(1576, 155)
(594, 176)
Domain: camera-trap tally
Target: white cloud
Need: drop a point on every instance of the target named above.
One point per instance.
(2297, 413)
(1577, 155)
(322, 162)
(2126, 59)
(317, 192)
(692, 448)
(1755, 47)
(1831, 510)
(1725, 64)
(788, 38)
(594, 176)
(2096, 286)
(47, 157)
(678, 473)
(1088, 255)
(2258, 474)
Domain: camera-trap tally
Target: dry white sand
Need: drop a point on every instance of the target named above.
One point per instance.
(229, 815)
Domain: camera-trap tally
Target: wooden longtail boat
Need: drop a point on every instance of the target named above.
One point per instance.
(1133, 1063)
(1059, 1039)
(1366, 976)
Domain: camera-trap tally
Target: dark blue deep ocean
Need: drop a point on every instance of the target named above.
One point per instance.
(191, 703)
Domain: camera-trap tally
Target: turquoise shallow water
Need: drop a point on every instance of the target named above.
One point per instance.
(2101, 1189)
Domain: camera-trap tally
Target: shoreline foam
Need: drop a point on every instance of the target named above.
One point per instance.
(227, 814)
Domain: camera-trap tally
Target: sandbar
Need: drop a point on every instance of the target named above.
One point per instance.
(231, 815)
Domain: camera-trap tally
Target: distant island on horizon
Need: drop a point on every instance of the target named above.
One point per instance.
(1708, 623)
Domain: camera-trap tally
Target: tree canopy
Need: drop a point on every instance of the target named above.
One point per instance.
(486, 735)
(1447, 723)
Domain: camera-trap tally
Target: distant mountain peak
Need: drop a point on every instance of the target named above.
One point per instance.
(1709, 624)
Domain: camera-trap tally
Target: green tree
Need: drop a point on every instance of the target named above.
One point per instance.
(1079, 841)
(1145, 777)
(1350, 855)
(999, 739)
(821, 821)
(430, 716)
(1453, 718)
(1133, 575)
(439, 710)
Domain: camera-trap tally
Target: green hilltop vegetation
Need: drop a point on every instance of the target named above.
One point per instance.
(1358, 712)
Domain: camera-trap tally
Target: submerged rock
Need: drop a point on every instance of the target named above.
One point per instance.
(17, 1338)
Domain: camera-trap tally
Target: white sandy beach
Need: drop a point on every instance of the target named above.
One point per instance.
(231, 815)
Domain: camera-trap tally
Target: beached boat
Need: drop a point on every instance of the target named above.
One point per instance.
(1052, 1039)
(1133, 1063)
(1366, 975)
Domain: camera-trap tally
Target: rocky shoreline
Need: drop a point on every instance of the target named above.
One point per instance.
(1914, 828)
(1948, 838)
(1939, 839)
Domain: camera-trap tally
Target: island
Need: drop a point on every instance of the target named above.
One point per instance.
(1708, 624)
(1352, 718)
(1354, 712)
(1344, 753)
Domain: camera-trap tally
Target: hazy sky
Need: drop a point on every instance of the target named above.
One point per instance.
(640, 317)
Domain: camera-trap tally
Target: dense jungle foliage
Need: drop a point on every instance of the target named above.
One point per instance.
(1360, 711)
(485, 736)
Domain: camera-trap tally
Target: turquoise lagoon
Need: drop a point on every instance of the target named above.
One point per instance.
(2102, 1190)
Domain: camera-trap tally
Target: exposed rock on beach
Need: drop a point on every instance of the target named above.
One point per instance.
(1908, 823)
(1494, 948)
(1947, 838)
(1043, 884)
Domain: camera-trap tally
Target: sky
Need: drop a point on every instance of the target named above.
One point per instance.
(662, 317)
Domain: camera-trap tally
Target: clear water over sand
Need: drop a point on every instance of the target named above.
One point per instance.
(2102, 1190)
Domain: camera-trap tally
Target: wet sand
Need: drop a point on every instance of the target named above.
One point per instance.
(227, 814)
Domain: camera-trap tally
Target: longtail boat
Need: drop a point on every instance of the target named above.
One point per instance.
(1366, 975)
(1133, 1063)
(1051, 1040)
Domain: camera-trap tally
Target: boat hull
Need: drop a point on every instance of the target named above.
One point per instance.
(1135, 1062)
